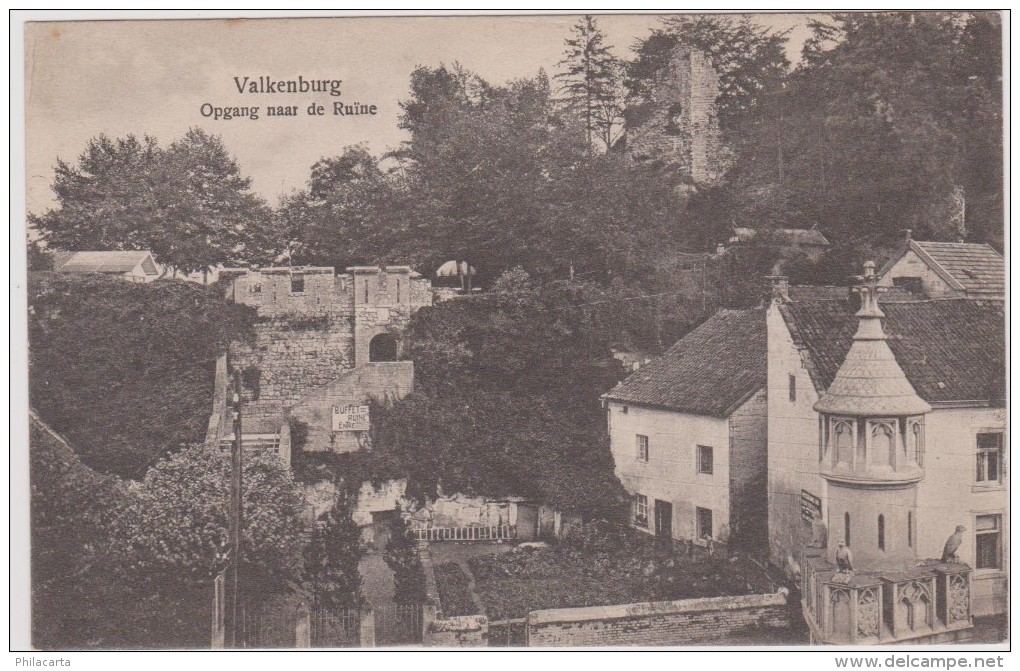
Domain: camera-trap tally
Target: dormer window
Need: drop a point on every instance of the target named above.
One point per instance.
(297, 283)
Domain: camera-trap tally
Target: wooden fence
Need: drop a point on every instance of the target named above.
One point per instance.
(476, 533)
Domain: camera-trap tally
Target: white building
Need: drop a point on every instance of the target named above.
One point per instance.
(135, 266)
(688, 433)
(894, 436)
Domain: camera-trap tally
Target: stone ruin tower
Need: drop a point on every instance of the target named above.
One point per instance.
(679, 125)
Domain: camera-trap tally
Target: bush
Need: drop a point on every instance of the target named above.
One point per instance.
(126, 370)
(454, 590)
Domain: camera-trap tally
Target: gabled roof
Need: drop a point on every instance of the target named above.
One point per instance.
(99, 262)
(791, 236)
(951, 350)
(973, 268)
(711, 371)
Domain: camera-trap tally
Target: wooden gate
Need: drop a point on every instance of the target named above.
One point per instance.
(398, 624)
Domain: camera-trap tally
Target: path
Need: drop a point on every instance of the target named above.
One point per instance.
(376, 580)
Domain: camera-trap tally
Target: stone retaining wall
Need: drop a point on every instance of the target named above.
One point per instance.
(686, 622)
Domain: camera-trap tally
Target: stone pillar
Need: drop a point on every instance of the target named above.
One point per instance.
(429, 614)
(367, 628)
(303, 628)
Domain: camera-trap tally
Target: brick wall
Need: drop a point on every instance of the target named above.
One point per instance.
(687, 622)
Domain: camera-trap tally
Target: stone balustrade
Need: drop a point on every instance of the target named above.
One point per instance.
(926, 603)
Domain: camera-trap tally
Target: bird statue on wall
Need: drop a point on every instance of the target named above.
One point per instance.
(844, 558)
(953, 544)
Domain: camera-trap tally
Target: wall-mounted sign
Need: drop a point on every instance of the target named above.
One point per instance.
(810, 505)
(350, 417)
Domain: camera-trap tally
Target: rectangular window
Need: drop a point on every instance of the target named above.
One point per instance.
(793, 388)
(989, 457)
(704, 519)
(642, 448)
(911, 284)
(297, 283)
(641, 511)
(988, 541)
(705, 459)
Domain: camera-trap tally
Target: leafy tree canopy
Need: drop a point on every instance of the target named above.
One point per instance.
(176, 525)
(188, 203)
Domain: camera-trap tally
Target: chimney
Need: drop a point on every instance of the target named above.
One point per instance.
(909, 233)
(780, 288)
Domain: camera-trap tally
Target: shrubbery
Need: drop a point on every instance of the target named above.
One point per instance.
(125, 370)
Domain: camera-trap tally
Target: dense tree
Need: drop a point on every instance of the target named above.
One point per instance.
(175, 523)
(591, 82)
(331, 557)
(401, 555)
(188, 203)
(72, 508)
(126, 370)
(508, 394)
(350, 213)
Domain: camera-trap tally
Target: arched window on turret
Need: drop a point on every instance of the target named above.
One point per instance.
(915, 436)
(846, 529)
(883, 444)
(843, 438)
(881, 532)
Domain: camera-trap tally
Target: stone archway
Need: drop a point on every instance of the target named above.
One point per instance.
(382, 347)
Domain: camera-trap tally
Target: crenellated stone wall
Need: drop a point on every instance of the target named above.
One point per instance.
(314, 329)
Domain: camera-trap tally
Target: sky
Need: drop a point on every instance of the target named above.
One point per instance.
(152, 77)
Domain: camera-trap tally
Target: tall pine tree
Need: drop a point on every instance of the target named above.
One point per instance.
(591, 82)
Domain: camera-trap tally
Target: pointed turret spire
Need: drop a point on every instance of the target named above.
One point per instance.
(870, 381)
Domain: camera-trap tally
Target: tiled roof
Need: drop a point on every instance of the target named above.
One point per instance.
(795, 236)
(101, 262)
(805, 292)
(977, 268)
(711, 371)
(951, 350)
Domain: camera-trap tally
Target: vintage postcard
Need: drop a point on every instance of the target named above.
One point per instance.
(552, 330)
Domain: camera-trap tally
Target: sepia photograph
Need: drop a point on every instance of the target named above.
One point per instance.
(567, 331)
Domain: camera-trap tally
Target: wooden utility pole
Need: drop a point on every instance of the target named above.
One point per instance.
(236, 520)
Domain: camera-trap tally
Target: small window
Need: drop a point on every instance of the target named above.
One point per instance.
(640, 511)
(793, 388)
(910, 529)
(366, 290)
(625, 410)
(255, 289)
(398, 291)
(881, 532)
(846, 529)
(642, 448)
(989, 457)
(705, 459)
(988, 542)
(704, 520)
(297, 283)
(911, 284)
